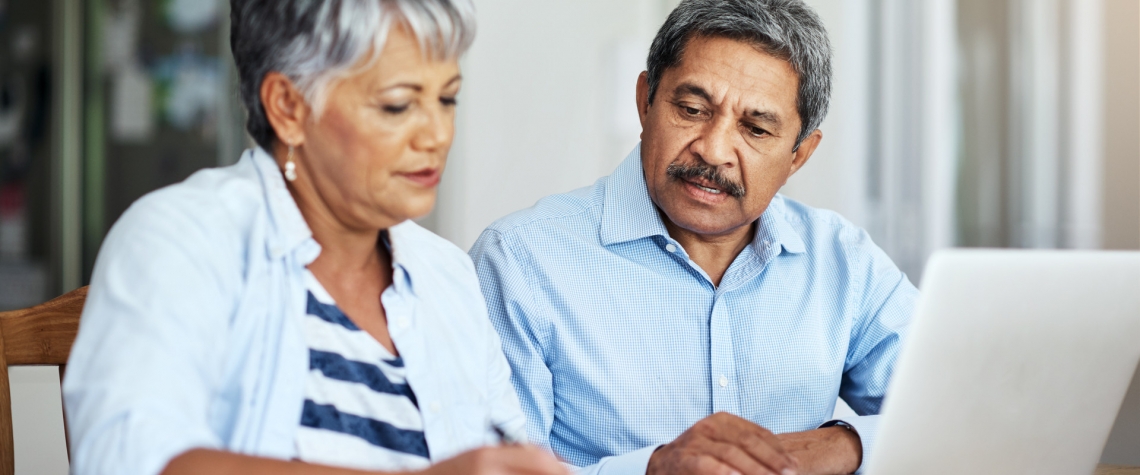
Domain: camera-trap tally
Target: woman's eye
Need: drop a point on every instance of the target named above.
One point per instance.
(398, 109)
(448, 101)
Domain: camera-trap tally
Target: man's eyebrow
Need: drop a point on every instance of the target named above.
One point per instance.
(767, 117)
(691, 89)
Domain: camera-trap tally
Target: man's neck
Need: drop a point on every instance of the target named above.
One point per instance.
(713, 253)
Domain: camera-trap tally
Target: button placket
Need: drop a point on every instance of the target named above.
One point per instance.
(722, 362)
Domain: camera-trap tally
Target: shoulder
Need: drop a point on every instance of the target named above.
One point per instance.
(213, 211)
(832, 240)
(821, 227)
(229, 192)
(580, 207)
(428, 251)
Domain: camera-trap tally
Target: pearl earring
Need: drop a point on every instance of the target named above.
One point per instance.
(290, 167)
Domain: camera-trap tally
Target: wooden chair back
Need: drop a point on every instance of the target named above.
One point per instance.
(40, 335)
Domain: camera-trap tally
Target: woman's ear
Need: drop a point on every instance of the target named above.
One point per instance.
(285, 108)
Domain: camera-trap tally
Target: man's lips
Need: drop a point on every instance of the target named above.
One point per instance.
(705, 185)
(704, 194)
(427, 177)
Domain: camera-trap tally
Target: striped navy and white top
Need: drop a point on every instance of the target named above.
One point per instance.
(359, 410)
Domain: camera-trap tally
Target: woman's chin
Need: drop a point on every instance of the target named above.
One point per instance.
(413, 209)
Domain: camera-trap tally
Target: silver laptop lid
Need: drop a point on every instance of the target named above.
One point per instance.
(1017, 364)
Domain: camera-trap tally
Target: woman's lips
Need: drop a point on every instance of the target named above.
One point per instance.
(428, 177)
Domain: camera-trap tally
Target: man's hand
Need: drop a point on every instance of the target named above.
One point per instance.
(506, 460)
(828, 451)
(723, 444)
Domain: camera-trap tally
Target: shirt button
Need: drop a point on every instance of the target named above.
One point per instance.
(670, 248)
(435, 407)
(723, 381)
(401, 322)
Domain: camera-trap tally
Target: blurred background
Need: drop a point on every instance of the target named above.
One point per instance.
(997, 123)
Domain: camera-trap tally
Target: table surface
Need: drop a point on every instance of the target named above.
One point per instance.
(1117, 470)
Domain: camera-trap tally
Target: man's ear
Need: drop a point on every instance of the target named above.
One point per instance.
(285, 108)
(806, 149)
(643, 97)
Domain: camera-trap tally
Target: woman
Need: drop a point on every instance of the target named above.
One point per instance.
(283, 315)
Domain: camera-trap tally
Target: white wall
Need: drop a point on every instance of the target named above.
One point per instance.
(835, 177)
(546, 107)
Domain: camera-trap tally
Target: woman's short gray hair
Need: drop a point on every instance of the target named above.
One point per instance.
(786, 29)
(313, 42)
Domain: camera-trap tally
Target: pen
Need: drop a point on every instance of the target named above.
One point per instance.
(505, 438)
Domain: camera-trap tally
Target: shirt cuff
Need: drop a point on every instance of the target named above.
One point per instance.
(866, 428)
(632, 463)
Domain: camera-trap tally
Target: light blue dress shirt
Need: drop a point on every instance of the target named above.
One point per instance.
(619, 342)
(192, 335)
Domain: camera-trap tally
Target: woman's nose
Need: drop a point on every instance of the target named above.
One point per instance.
(436, 130)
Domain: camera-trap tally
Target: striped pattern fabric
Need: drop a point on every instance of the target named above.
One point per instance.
(359, 410)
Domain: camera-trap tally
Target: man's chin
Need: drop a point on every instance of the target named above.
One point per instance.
(705, 227)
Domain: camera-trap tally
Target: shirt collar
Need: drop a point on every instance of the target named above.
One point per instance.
(401, 242)
(774, 228)
(292, 231)
(628, 213)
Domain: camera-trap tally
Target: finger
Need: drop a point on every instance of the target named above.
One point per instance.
(739, 460)
(761, 444)
(770, 452)
(708, 465)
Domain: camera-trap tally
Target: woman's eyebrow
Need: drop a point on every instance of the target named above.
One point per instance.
(417, 86)
(403, 85)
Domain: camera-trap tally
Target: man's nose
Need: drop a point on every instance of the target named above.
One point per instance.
(716, 143)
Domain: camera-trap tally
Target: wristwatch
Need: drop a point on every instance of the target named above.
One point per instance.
(840, 424)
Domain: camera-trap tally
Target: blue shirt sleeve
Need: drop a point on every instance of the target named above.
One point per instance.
(524, 327)
(150, 342)
(512, 311)
(886, 304)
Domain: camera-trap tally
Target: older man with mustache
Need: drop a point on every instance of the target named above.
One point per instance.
(679, 316)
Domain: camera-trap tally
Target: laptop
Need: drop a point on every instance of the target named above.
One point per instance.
(1017, 363)
(1123, 447)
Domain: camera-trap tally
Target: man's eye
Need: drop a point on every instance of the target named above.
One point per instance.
(692, 110)
(756, 131)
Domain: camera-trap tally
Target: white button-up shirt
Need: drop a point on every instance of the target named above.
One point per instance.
(192, 332)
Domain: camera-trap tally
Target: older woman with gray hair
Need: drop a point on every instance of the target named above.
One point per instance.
(284, 315)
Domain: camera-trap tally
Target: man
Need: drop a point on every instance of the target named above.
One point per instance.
(675, 315)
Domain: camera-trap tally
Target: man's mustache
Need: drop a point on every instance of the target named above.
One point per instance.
(709, 173)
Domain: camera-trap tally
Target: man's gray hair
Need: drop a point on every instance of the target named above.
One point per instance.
(787, 29)
(313, 42)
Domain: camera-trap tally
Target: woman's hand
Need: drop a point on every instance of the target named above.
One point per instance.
(510, 459)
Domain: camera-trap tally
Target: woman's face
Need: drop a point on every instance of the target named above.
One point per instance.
(376, 152)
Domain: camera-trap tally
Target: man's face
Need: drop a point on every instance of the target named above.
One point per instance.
(718, 139)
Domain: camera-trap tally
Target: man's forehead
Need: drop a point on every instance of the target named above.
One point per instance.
(727, 69)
